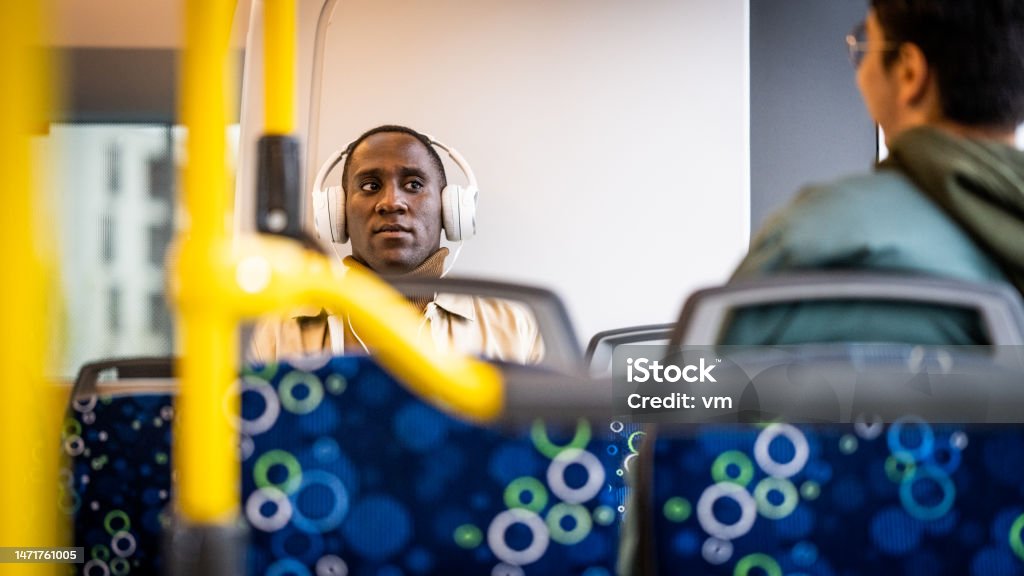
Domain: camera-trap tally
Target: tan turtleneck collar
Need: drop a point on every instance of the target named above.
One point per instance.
(432, 267)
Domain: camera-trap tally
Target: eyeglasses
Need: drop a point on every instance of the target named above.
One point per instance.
(858, 45)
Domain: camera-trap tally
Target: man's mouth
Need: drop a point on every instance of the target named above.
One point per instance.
(391, 229)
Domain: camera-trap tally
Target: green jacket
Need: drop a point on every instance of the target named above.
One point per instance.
(940, 205)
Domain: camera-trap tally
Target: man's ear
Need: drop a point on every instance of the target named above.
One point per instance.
(916, 83)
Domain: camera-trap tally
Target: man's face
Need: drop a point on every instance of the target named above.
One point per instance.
(393, 203)
(877, 83)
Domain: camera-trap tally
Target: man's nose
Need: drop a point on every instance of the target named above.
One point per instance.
(391, 200)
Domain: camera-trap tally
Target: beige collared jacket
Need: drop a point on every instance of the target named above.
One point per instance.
(491, 328)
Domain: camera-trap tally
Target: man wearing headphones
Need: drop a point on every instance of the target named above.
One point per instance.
(393, 203)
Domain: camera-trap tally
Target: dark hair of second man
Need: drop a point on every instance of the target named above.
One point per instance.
(975, 48)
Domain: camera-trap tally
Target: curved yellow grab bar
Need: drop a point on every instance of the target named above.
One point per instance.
(220, 283)
(261, 274)
(387, 322)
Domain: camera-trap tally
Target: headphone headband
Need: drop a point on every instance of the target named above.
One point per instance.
(457, 158)
(336, 158)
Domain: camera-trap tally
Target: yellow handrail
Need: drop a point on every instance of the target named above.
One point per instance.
(204, 445)
(218, 281)
(279, 53)
(28, 429)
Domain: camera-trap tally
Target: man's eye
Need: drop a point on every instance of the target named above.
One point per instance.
(369, 187)
(415, 185)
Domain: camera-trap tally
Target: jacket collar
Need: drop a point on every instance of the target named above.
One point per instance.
(307, 311)
(457, 304)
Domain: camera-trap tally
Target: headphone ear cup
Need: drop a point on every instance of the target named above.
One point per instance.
(458, 212)
(467, 212)
(336, 214)
(450, 213)
(320, 217)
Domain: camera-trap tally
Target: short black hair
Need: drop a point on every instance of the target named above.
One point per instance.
(391, 128)
(975, 48)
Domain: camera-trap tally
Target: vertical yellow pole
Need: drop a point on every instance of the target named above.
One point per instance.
(206, 444)
(279, 54)
(28, 438)
(204, 110)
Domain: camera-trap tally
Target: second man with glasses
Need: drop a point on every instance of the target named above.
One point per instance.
(944, 79)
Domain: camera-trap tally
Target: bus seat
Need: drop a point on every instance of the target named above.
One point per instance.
(116, 484)
(352, 430)
(707, 314)
(901, 494)
(602, 345)
(346, 472)
(908, 497)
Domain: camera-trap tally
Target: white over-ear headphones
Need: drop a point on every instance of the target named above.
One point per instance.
(458, 203)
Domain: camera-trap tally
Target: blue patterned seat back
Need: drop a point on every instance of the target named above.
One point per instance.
(117, 483)
(906, 498)
(344, 472)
